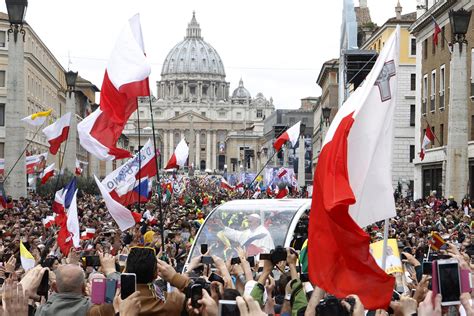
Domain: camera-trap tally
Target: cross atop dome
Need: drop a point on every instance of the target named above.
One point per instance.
(193, 30)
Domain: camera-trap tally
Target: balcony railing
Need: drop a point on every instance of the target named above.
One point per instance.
(432, 104)
(423, 106)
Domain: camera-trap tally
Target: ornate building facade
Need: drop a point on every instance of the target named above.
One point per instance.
(194, 102)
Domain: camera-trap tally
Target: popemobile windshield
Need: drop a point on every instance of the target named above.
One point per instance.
(257, 225)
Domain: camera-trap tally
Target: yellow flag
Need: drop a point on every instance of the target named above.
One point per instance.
(27, 259)
(37, 119)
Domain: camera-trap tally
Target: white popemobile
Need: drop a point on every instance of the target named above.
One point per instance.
(257, 225)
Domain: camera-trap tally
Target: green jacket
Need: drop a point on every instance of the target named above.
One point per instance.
(298, 295)
(64, 304)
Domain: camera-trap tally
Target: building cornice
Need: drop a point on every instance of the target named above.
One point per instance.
(435, 10)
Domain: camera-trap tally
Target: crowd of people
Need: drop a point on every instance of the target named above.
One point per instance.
(167, 285)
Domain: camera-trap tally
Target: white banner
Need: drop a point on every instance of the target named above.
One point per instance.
(125, 174)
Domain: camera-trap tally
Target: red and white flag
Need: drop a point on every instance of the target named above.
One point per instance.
(291, 135)
(49, 221)
(179, 157)
(436, 32)
(226, 185)
(353, 188)
(126, 78)
(122, 216)
(57, 132)
(281, 172)
(89, 233)
(47, 173)
(427, 140)
(78, 170)
(282, 193)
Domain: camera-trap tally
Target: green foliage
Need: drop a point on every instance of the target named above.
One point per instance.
(84, 184)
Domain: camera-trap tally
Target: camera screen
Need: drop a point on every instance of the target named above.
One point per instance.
(228, 308)
(127, 284)
(449, 286)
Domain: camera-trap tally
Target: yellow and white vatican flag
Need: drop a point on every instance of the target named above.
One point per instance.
(27, 259)
(38, 118)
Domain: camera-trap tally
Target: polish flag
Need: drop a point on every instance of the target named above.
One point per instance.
(47, 173)
(69, 234)
(427, 140)
(124, 184)
(57, 132)
(291, 135)
(282, 172)
(78, 171)
(89, 233)
(49, 221)
(125, 79)
(122, 216)
(353, 188)
(225, 185)
(179, 157)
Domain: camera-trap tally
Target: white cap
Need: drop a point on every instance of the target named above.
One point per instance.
(255, 216)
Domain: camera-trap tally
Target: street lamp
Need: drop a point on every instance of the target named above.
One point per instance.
(71, 78)
(16, 16)
(459, 21)
(326, 115)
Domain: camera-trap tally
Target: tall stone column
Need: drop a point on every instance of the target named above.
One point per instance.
(198, 150)
(165, 154)
(171, 146)
(456, 148)
(15, 110)
(191, 141)
(214, 151)
(108, 167)
(301, 171)
(71, 149)
(208, 150)
(286, 151)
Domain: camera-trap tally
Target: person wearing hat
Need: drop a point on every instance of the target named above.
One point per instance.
(452, 203)
(256, 238)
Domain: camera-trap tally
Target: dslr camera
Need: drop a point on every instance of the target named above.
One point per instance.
(331, 306)
(276, 255)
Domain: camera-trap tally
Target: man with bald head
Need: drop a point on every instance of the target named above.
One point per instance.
(69, 298)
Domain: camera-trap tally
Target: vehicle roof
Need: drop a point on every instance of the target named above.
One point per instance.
(265, 205)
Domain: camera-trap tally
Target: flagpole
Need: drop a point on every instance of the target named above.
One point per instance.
(436, 137)
(139, 161)
(24, 150)
(158, 182)
(256, 176)
(61, 161)
(385, 243)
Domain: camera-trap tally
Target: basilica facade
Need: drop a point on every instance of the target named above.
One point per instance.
(193, 101)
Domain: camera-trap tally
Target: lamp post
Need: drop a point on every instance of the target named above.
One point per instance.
(456, 148)
(15, 108)
(301, 160)
(326, 115)
(459, 21)
(69, 156)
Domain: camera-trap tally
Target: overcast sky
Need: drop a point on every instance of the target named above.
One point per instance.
(276, 46)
